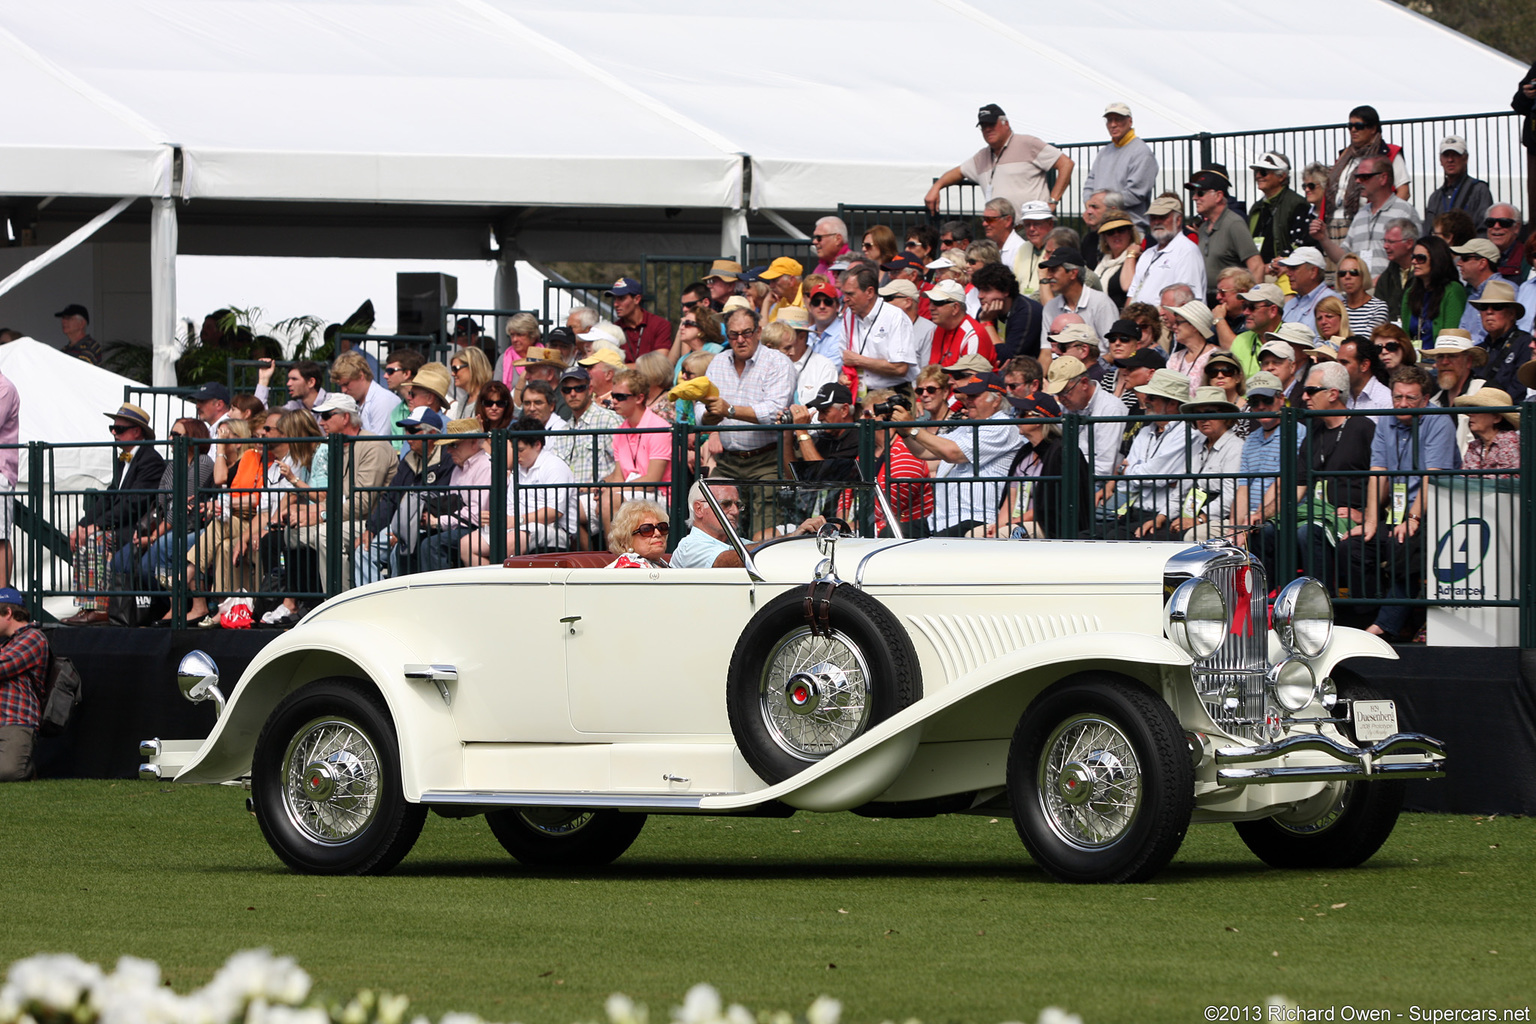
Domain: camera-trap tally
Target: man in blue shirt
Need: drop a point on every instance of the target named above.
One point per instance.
(1257, 495)
(1388, 558)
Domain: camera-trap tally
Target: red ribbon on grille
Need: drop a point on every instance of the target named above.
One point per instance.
(1242, 611)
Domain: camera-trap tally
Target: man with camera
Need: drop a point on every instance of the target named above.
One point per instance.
(833, 452)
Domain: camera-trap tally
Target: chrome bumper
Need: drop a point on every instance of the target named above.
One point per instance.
(164, 759)
(1342, 762)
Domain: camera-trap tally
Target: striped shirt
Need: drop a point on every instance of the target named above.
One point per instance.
(908, 501)
(1261, 455)
(1368, 317)
(766, 384)
(23, 674)
(590, 456)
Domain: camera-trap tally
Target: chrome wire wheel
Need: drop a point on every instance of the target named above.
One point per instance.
(815, 693)
(1318, 814)
(1089, 782)
(331, 786)
(555, 821)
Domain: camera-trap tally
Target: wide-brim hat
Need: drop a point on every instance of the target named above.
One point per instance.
(1326, 349)
(794, 316)
(1223, 359)
(1492, 398)
(1168, 384)
(1526, 375)
(1294, 334)
(539, 355)
(1114, 224)
(1499, 292)
(130, 412)
(725, 270)
(1454, 341)
(1198, 315)
(1212, 399)
(467, 425)
(967, 365)
(434, 377)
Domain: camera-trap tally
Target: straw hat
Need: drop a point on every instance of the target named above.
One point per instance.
(1453, 341)
(468, 425)
(734, 303)
(1491, 398)
(1326, 350)
(539, 355)
(434, 377)
(1167, 384)
(794, 316)
(132, 413)
(1208, 399)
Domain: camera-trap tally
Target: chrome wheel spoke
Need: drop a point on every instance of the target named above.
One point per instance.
(814, 693)
(331, 782)
(1089, 782)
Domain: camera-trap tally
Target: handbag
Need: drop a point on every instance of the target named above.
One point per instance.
(125, 609)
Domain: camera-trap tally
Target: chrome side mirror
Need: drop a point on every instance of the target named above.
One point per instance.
(198, 677)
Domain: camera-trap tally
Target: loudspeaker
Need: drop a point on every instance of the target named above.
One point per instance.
(420, 300)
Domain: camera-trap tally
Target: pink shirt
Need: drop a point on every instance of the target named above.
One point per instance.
(634, 452)
(10, 428)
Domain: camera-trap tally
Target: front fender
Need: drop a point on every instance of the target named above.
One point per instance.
(981, 704)
(1345, 643)
(428, 739)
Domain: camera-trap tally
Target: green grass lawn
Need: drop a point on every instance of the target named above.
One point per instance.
(944, 919)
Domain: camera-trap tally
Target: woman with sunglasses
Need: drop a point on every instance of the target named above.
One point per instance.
(1119, 247)
(639, 459)
(493, 406)
(932, 390)
(1393, 344)
(471, 371)
(699, 330)
(638, 535)
(1365, 140)
(1362, 311)
(880, 244)
(1436, 298)
(1225, 372)
(288, 474)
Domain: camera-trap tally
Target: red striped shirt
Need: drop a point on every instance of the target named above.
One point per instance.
(967, 338)
(23, 673)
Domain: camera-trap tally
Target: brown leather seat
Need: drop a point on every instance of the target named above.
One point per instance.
(564, 560)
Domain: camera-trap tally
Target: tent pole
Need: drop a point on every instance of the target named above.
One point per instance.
(733, 225)
(162, 289)
(64, 245)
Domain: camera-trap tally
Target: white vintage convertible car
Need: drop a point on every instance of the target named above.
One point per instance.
(1103, 694)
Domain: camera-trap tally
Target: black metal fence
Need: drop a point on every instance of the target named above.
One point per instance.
(1436, 537)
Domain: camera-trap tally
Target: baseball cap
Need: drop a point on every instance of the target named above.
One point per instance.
(1035, 209)
(1117, 108)
(1062, 372)
(1036, 405)
(605, 330)
(829, 394)
(208, 392)
(10, 595)
(1128, 329)
(1273, 160)
(1208, 179)
(1266, 292)
(1304, 254)
(561, 335)
(1064, 254)
(1478, 247)
(1162, 206)
(423, 421)
(1076, 334)
(943, 263)
(946, 291)
(968, 365)
(465, 325)
(904, 289)
(575, 373)
(1453, 144)
(781, 266)
(625, 286)
(1143, 358)
(336, 401)
(902, 262)
(74, 309)
(1276, 347)
(1264, 384)
(1293, 334)
(824, 289)
(980, 382)
(989, 114)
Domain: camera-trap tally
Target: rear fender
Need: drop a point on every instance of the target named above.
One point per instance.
(429, 741)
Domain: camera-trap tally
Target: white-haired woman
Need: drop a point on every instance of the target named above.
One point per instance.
(638, 535)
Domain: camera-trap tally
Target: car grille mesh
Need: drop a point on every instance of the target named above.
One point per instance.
(1244, 658)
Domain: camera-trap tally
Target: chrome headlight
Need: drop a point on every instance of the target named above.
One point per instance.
(1304, 617)
(1196, 617)
(1292, 684)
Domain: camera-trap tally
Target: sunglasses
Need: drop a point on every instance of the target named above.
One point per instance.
(869, 246)
(573, 389)
(1222, 371)
(738, 335)
(988, 219)
(1420, 257)
(178, 433)
(1358, 126)
(1349, 273)
(1500, 222)
(619, 396)
(930, 389)
(120, 430)
(651, 529)
(1390, 346)
(732, 503)
(1200, 193)
(688, 323)
(394, 369)
(456, 367)
(1312, 389)
(822, 300)
(817, 238)
(494, 403)
(1368, 175)
(1309, 186)
(691, 305)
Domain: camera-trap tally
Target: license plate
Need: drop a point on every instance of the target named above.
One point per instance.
(1374, 719)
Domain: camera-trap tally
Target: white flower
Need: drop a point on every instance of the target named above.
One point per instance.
(54, 981)
(460, 1018)
(1056, 1015)
(623, 1010)
(392, 1008)
(700, 1006)
(825, 1010)
(738, 1014)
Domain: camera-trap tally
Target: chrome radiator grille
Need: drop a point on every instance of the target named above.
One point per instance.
(1231, 681)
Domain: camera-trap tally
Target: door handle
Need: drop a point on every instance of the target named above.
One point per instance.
(570, 623)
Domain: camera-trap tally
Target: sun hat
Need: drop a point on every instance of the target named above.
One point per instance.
(1491, 398)
(432, 376)
(725, 270)
(1166, 383)
(1499, 292)
(1273, 160)
(467, 425)
(1453, 341)
(1115, 223)
(794, 316)
(732, 304)
(539, 355)
(1063, 371)
(603, 353)
(969, 364)
(1198, 315)
(1293, 334)
(336, 401)
(1327, 348)
(1036, 209)
(1223, 359)
(1210, 398)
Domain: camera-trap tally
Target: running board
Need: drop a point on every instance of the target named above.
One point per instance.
(577, 799)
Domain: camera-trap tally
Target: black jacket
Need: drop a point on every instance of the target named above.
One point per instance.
(405, 481)
(1048, 491)
(1526, 108)
(118, 508)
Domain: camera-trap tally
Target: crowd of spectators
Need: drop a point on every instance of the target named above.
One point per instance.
(1177, 325)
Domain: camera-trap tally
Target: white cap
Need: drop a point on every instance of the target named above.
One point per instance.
(1304, 254)
(1453, 144)
(1117, 108)
(1036, 209)
(946, 291)
(900, 288)
(604, 330)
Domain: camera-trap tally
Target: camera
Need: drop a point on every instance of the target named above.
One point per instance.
(883, 410)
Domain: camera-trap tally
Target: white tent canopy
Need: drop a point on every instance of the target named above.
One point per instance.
(619, 103)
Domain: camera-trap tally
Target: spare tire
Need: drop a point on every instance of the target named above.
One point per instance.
(794, 696)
